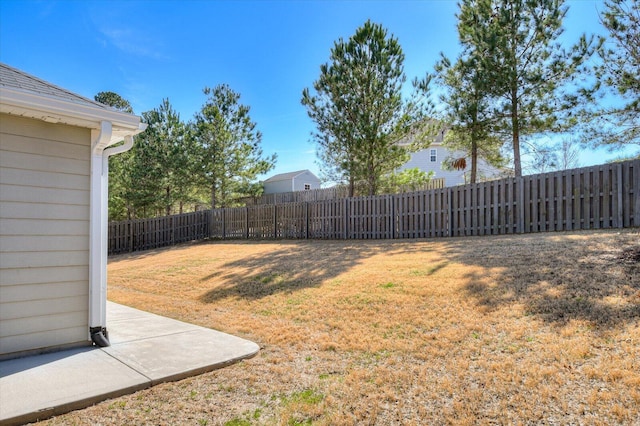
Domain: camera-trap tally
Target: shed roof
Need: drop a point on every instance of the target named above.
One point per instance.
(287, 176)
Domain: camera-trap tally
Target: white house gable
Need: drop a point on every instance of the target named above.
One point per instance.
(302, 180)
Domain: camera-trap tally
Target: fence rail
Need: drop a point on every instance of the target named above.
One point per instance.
(606, 196)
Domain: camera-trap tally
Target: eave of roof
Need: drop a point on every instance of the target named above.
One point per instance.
(27, 96)
(62, 111)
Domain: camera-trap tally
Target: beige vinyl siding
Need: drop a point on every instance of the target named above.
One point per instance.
(25, 292)
(44, 234)
(47, 340)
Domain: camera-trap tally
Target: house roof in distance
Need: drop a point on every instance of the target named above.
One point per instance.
(287, 176)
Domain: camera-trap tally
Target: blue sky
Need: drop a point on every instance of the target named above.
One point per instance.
(268, 51)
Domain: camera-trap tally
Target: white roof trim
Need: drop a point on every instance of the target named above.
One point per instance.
(62, 111)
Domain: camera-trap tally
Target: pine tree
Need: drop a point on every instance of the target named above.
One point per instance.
(171, 162)
(114, 100)
(155, 176)
(359, 111)
(619, 74)
(532, 76)
(468, 114)
(229, 147)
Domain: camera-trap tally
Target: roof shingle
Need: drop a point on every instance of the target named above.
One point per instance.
(285, 176)
(15, 79)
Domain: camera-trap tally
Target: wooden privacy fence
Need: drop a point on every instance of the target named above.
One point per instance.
(324, 194)
(145, 234)
(606, 196)
(299, 196)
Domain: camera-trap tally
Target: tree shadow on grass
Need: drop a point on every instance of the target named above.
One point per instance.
(292, 267)
(557, 277)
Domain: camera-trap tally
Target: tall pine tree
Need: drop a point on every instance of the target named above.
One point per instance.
(359, 111)
(467, 96)
(468, 114)
(532, 76)
(229, 147)
(618, 72)
(171, 158)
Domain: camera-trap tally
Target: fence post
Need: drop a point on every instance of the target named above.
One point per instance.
(275, 221)
(391, 199)
(306, 220)
(130, 236)
(619, 188)
(449, 212)
(211, 222)
(346, 219)
(520, 205)
(636, 192)
(172, 225)
(246, 223)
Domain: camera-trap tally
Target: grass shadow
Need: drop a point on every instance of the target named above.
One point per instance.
(558, 276)
(291, 267)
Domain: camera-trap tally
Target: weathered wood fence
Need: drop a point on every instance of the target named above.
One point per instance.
(145, 234)
(299, 196)
(606, 196)
(324, 194)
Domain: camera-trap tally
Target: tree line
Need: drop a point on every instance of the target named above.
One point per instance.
(213, 160)
(512, 86)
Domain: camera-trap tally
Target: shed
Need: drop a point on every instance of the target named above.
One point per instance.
(54, 149)
(302, 180)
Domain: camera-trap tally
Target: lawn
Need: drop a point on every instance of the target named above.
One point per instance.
(522, 329)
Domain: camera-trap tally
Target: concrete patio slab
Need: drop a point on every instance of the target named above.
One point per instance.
(146, 349)
(177, 360)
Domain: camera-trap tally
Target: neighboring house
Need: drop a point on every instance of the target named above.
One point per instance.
(432, 158)
(54, 149)
(302, 180)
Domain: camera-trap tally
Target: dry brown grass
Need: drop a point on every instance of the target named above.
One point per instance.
(524, 329)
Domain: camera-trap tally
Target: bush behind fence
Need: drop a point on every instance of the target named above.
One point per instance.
(605, 196)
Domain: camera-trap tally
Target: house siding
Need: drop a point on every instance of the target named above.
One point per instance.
(291, 182)
(305, 178)
(422, 160)
(44, 234)
(278, 186)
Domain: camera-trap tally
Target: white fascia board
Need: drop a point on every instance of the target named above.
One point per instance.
(62, 111)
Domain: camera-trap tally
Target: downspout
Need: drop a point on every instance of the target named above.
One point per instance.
(100, 153)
